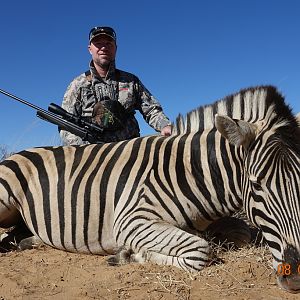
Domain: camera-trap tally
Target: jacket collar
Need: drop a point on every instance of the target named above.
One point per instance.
(111, 74)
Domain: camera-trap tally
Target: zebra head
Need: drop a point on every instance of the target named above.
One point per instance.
(271, 185)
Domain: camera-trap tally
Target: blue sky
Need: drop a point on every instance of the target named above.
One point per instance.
(187, 53)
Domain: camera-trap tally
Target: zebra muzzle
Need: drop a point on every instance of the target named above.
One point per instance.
(288, 272)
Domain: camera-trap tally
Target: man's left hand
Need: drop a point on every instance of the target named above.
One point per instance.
(166, 131)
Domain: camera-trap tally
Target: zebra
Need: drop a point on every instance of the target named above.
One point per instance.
(150, 198)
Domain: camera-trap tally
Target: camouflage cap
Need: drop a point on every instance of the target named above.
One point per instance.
(96, 31)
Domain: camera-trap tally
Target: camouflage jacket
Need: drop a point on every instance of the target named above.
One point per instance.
(85, 91)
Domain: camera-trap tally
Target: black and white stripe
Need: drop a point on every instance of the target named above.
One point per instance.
(148, 196)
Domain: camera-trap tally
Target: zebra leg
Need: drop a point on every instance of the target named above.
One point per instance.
(11, 239)
(164, 244)
(18, 236)
(9, 215)
(18, 239)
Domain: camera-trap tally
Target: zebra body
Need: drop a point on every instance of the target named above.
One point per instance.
(87, 204)
(150, 195)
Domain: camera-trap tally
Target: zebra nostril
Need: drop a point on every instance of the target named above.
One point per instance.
(290, 283)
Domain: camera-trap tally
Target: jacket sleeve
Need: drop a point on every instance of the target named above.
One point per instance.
(150, 108)
(70, 97)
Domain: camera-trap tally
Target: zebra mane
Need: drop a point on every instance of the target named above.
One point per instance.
(251, 104)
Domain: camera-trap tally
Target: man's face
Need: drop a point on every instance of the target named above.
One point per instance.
(103, 50)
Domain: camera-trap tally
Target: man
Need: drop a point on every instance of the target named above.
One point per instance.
(109, 97)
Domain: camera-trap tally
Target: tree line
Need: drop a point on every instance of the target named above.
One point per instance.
(4, 152)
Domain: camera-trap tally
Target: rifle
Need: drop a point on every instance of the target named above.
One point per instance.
(56, 115)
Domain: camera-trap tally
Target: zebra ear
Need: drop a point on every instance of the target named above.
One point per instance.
(237, 132)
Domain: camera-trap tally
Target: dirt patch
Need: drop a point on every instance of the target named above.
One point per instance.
(48, 273)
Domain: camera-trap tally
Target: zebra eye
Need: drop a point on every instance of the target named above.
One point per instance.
(256, 186)
(255, 183)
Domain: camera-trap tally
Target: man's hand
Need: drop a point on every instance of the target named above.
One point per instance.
(166, 131)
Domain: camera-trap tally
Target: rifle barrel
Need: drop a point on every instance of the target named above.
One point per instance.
(22, 101)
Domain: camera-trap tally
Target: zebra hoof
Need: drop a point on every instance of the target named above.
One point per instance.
(29, 243)
(10, 240)
(122, 257)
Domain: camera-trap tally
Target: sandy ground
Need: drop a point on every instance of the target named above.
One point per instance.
(47, 273)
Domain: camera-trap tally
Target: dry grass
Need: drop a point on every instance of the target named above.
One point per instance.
(238, 274)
